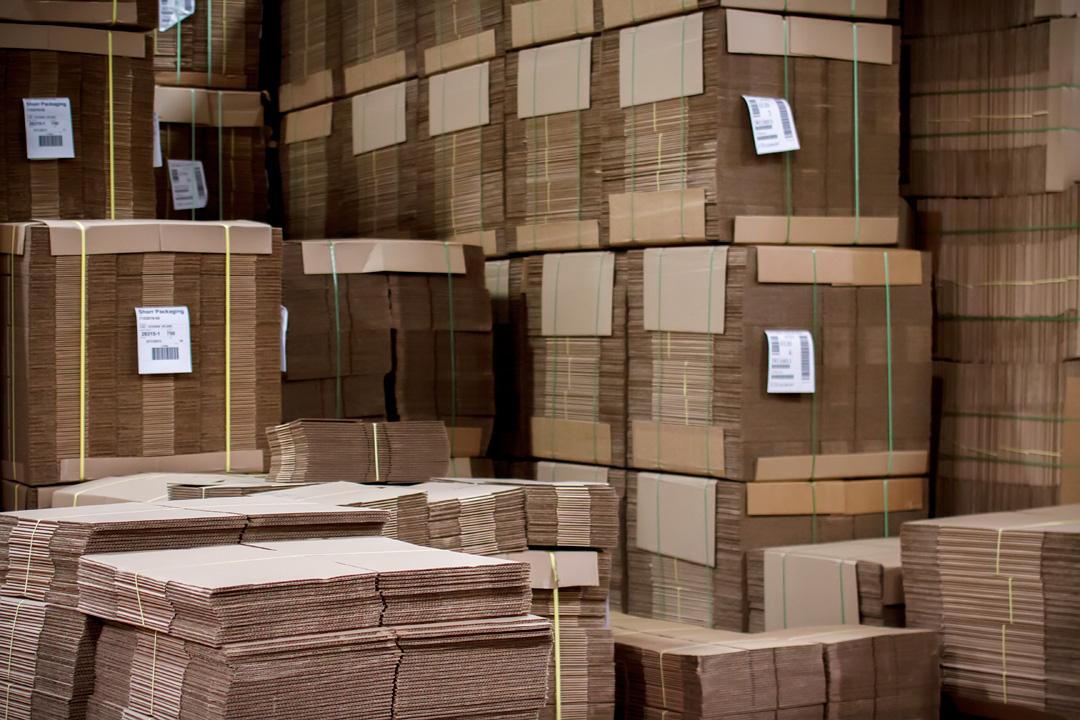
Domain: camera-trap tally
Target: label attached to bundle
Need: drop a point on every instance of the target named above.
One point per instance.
(164, 340)
(188, 182)
(49, 134)
(284, 334)
(773, 124)
(791, 361)
(157, 141)
(172, 12)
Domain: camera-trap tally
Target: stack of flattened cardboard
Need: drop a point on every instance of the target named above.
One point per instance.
(156, 487)
(408, 508)
(680, 164)
(1001, 590)
(670, 669)
(16, 496)
(475, 518)
(841, 583)
(87, 298)
(192, 486)
(450, 36)
(142, 14)
(271, 519)
(313, 166)
(224, 131)
(534, 22)
(948, 17)
(355, 451)
(216, 46)
(710, 390)
(90, 94)
(688, 537)
(311, 33)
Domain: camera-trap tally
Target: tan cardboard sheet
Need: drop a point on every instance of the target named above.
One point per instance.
(558, 235)
(312, 90)
(310, 124)
(835, 497)
(838, 266)
(661, 216)
(765, 34)
(807, 230)
(465, 441)
(462, 51)
(72, 39)
(547, 471)
(836, 8)
(378, 119)
(575, 568)
(227, 108)
(809, 590)
(577, 294)
(661, 60)
(685, 289)
(458, 100)
(373, 73)
(376, 256)
(682, 448)
(486, 239)
(71, 12)
(576, 440)
(109, 237)
(554, 78)
(676, 516)
(243, 461)
(849, 465)
(618, 13)
(541, 21)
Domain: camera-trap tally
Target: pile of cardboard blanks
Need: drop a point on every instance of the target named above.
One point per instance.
(452, 36)
(408, 508)
(156, 487)
(216, 46)
(272, 519)
(680, 164)
(224, 131)
(841, 583)
(395, 630)
(671, 669)
(929, 17)
(326, 450)
(99, 161)
(534, 23)
(81, 409)
(481, 519)
(133, 14)
(688, 538)
(1001, 591)
(313, 162)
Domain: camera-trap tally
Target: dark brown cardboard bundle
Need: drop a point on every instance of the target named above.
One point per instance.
(224, 131)
(125, 14)
(460, 164)
(688, 537)
(216, 47)
(17, 496)
(955, 17)
(617, 13)
(680, 164)
(475, 518)
(699, 362)
(463, 33)
(408, 508)
(109, 173)
(535, 22)
(94, 414)
(324, 450)
(1000, 589)
(313, 161)
(988, 111)
(311, 37)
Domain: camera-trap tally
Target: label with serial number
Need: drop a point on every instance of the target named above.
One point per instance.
(164, 340)
(791, 361)
(773, 125)
(49, 134)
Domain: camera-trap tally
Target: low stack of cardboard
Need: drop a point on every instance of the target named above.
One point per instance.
(534, 22)
(475, 518)
(191, 486)
(460, 160)
(842, 583)
(322, 450)
(674, 670)
(80, 409)
(224, 131)
(217, 46)
(688, 537)
(680, 164)
(408, 508)
(699, 362)
(141, 14)
(451, 36)
(106, 78)
(156, 487)
(951, 17)
(1001, 590)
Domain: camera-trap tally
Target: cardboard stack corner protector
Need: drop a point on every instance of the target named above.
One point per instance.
(688, 538)
(991, 111)
(108, 172)
(460, 162)
(699, 360)
(680, 164)
(123, 14)
(848, 671)
(927, 17)
(222, 129)
(81, 410)
(408, 508)
(1000, 589)
(475, 518)
(856, 582)
(535, 22)
(325, 450)
(463, 33)
(217, 46)
(554, 138)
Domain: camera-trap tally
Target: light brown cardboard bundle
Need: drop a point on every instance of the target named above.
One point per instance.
(618, 13)
(460, 162)
(955, 17)
(463, 33)
(216, 47)
(111, 173)
(699, 362)
(554, 138)
(156, 487)
(475, 518)
(126, 14)
(93, 414)
(988, 111)
(408, 508)
(535, 22)
(225, 130)
(680, 164)
(311, 36)
(1000, 589)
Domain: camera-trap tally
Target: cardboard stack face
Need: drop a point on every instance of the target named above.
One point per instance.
(924, 18)
(217, 47)
(127, 14)
(408, 508)
(536, 23)
(476, 518)
(453, 37)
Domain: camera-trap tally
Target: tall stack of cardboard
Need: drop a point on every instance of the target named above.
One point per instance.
(994, 166)
(216, 46)
(459, 34)
(80, 409)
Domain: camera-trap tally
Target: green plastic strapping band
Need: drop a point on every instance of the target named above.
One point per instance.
(453, 345)
(712, 360)
(855, 105)
(813, 512)
(534, 122)
(554, 359)
(11, 351)
(783, 585)
(633, 127)
(789, 204)
(814, 339)
(220, 157)
(193, 140)
(339, 404)
(179, 49)
(210, 42)
(596, 387)
(889, 376)
(843, 610)
(479, 130)
(659, 365)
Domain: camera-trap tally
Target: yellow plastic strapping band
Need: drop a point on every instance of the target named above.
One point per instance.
(1004, 669)
(14, 627)
(30, 557)
(558, 643)
(228, 349)
(82, 350)
(112, 134)
(663, 681)
(375, 452)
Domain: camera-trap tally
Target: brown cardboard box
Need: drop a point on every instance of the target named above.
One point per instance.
(459, 34)
(216, 47)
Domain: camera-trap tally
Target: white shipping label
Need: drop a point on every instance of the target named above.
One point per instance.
(49, 134)
(157, 141)
(164, 338)
(773, 124)
(171, 12)
(188, 182)
(284, 333)
(791, 361)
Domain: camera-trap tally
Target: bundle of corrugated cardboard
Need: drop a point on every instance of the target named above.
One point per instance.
(215, 46)
(475, 518)
(675, 670)
(408, 508)
(223, 131)
(688, 537)
(323, 450)
(1001, 589)
(86, 96)
(533, 22)
(141, 14)
(450, 36)
(151, 346)
(841, 583)
(681, 162)
(779, 363)
(950, 17)
(156, 487)
(312, 166)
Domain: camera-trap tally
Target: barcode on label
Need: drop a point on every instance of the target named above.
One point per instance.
(785, 119)
(50, 140)
(175, 175)
(755, 111)
(200, 188)
(804, 354)
(774, 345)
(165, 353)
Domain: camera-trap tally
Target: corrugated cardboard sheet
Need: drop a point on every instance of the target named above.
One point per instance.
(685, 289)
(378, 256)
(578, 294)
(72, 39)
(373, 73)
(627, 12)
(460, 52)
(378, 119)
(458, 100)
(541, 21)
(661, 60)
(676, 516)
(309, 124)
(224, 108)
(767, 34)
(554, 78)
(576, 568)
